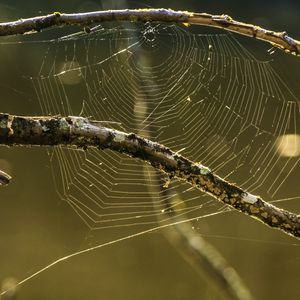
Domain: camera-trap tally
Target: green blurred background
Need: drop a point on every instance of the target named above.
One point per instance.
(38, 228)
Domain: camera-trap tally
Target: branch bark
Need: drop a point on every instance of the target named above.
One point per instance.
(84, 133)
(4, 178)
(280, 40)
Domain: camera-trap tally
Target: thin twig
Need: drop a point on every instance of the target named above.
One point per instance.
(84, 133)
(280, 40)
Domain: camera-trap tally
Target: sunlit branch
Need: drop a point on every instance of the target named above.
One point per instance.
(83, 133)
(280, 40)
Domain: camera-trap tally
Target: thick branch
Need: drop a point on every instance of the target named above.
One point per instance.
(83, 133)
(278, 39)
(199, 252)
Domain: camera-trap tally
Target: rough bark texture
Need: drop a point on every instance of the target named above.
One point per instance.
(280, 40)
(83, 133)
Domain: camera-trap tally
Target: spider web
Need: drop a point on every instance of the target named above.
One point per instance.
(203, 95)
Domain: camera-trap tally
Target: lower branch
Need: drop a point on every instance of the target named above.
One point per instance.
(84, 133)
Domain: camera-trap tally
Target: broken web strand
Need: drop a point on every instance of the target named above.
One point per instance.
(90, 249)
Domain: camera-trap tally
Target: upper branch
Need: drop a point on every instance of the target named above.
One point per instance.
(278, 39)
(83, 133)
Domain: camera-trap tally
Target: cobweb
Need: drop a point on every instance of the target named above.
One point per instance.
(203, 95)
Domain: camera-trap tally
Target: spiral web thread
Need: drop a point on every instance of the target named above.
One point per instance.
(203, 95)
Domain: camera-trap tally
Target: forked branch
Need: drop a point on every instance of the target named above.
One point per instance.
(84, 133)
(280, 40)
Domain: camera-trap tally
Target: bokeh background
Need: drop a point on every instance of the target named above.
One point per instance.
(38, 228)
